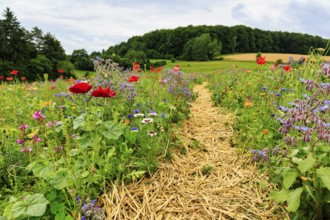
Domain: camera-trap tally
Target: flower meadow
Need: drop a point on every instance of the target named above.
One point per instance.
(64, 142)
(283, 123)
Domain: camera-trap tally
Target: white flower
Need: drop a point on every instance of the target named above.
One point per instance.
(147, 120)
(152, 133)
(138, 115)
(152, 114)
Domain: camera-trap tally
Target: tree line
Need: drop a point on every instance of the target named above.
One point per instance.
(208, 42)
(31, 53)
(34, 53)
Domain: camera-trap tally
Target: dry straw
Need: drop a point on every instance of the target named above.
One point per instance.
(211, 181)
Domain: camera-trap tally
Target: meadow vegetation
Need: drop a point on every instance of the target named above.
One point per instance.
(64, 141)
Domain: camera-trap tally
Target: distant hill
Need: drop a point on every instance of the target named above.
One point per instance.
(206, 42)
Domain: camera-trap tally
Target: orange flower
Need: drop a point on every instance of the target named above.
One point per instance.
(265, 131)
(248, 103)
(136, 66)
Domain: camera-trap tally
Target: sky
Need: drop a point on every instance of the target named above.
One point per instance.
(94, 25)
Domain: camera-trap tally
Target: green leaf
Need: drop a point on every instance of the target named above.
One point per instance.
(68, 217)
(32, 206)
(42, 171)
(111, 130)
(135, 174)
(326, 198)
(31, 165)
(289, 177)
(74, 152)
(61, 179)
(294, 200)
(307, 164)
(111, 153)
(85, 141)
(7, 211)
(96, 140)
(60, 216)
(33, 133)
(79, 121)
(324, 174)
(57, 207)
(279, 196)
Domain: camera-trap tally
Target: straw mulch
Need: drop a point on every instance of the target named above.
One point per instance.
(211, 181)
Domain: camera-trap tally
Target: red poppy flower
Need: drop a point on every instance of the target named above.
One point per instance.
(9, 78)
(14, 72)
(136, 66)
(1, 77)
(133, 79)
(100, 92)
(23, 78)
(81, 87)
(287, 68)
(261, 60)
(176, 68)
(159, 69)
(60, 71)
(152, 69)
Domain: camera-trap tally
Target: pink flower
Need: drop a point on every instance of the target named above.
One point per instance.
(38, 116)
(19, 141)
(36, 139)
(26, 150)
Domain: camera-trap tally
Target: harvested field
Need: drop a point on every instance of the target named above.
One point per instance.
(270, 57)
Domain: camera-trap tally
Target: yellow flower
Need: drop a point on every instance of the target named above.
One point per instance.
(45, 104)
(262, 94)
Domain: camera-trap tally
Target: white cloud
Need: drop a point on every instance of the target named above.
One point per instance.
(98, 24)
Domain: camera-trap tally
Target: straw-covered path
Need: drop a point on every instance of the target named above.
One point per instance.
(210, 181)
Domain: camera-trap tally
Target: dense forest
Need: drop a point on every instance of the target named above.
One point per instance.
(33, 53)
(208, 42)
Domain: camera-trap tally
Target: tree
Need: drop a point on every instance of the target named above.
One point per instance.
(52, 48)
(14, 42)
(81, 60)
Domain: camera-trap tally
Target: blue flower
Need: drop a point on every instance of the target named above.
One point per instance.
(264, 88)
